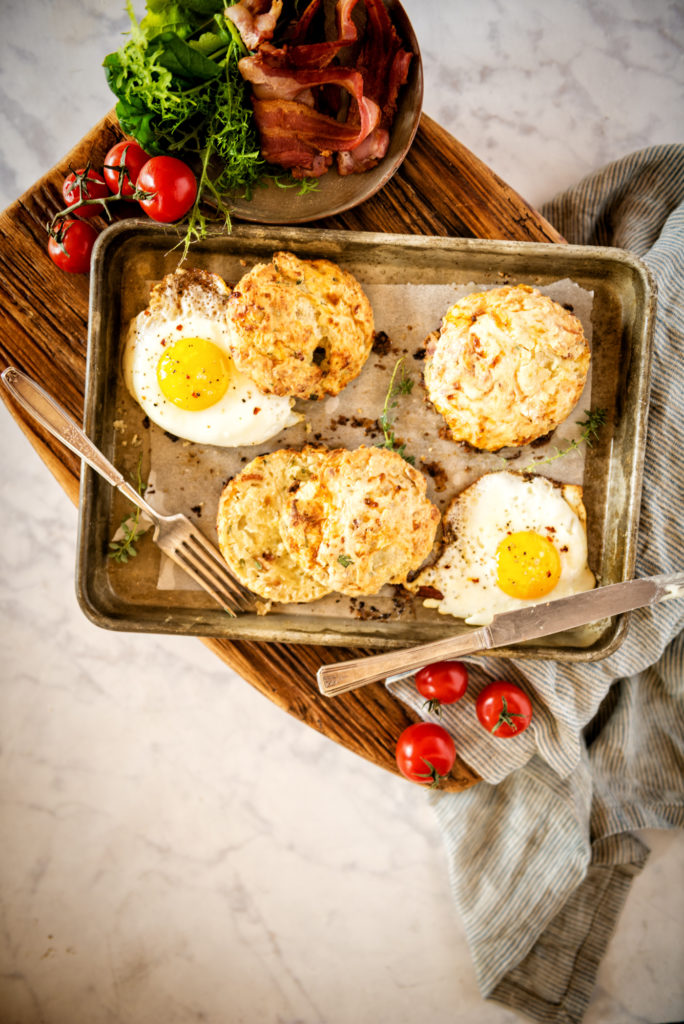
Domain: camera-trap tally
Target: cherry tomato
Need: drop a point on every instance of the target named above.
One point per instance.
(503, 709)
(425, 753)
(122, 165)
(84, 184)
(72, 245)
(442, 683)
(172, 187)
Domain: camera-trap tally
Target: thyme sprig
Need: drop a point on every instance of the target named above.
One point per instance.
(403, 386)
(595, 419)
(123, 549)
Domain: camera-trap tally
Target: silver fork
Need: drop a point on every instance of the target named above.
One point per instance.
(175, 535)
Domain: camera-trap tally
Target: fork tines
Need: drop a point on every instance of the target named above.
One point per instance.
(197, 556)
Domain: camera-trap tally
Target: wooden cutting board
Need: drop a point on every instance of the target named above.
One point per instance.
(441, 189)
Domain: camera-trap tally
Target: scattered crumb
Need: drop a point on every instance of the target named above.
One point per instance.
(381, 343)
(438, 474)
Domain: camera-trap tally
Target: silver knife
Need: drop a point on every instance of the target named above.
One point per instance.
(507, 628)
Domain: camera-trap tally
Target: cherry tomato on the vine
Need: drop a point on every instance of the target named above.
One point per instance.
(171, 186)
(503, 709)
(71, 245)
(84, 184)
(443, 682)
(425, 753)
(122, 165)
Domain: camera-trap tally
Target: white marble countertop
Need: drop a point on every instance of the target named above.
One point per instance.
(174, 847)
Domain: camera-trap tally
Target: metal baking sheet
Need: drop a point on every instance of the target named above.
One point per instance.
(405, 276)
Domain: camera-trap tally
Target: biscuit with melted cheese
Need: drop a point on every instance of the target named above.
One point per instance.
(302, 328)
(248, 526)
(360, 521)
(507, 366)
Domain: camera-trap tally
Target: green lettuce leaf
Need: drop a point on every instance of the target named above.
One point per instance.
(181, 59)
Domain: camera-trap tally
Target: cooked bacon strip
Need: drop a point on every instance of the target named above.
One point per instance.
(283, 147)
(383, 62)
(384, 65)
(284, 86)
(296, 87)
(271, 80)
(319, 55)
(255, 20)
(298, 32)
(366, 155)
(308, 128)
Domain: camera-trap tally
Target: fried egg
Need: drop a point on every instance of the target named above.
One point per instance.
(510, 541)
(177, 365)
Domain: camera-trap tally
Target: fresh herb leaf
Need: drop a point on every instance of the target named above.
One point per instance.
(205, 7)
(184, 60)
(403, 386)
(345, 561)
(595, 419)
(123, 549)
(303, 185)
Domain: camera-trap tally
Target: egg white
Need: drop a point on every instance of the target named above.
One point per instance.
(484, 514)
(242, 416)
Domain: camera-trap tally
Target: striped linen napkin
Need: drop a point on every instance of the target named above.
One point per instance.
(552, 826)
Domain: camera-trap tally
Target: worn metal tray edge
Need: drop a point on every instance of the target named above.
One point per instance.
(200, 624)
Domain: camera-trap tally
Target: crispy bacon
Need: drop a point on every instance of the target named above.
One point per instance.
(302, 54)
(383, 62)
(308, 129)
(273, 81)
(307, 106)
(366, 155)
(255, 20)
(384, 65)
(283, 146)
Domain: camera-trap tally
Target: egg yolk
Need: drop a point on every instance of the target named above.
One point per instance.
(528, 565)
(193, 373)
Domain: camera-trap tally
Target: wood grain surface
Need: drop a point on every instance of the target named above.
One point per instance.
(441, 189)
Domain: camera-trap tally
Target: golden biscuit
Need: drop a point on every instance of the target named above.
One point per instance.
(507, 366)
(248, 526)
(302, 328)
(360, 521)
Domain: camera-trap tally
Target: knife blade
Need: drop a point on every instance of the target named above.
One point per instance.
(508, 628)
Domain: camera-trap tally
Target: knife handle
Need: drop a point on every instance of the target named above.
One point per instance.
(349, 675)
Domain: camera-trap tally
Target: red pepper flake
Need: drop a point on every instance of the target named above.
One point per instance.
(196, 394)
(256, 410)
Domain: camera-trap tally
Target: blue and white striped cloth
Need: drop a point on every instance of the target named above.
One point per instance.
(551, 827)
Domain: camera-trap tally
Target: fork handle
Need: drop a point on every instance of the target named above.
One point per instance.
(53, 417)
